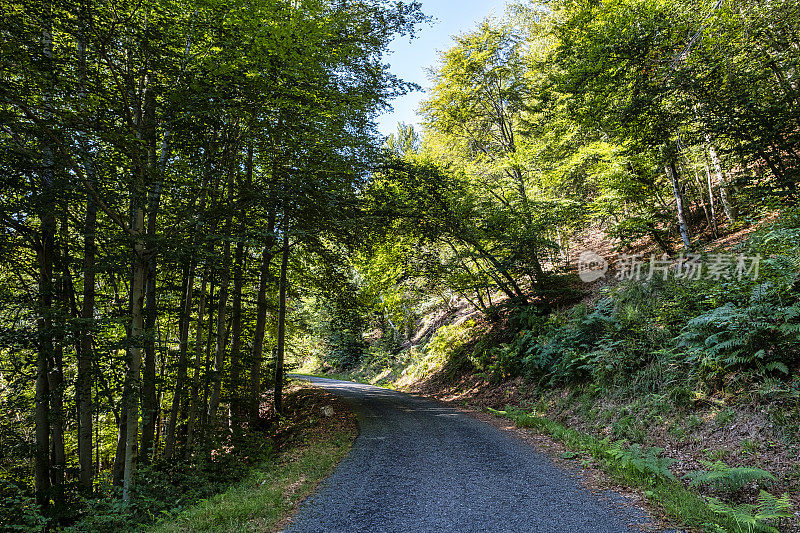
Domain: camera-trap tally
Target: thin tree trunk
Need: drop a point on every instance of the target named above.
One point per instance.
(44, 352)
(236, 336)
(183, 341)
(672, 172)
(728, 205)
(224, 290)
(281, 321)
(58, 462)
(709, 219)
(150, 405)
(58, 459)
(118, 468)
(538, 273)
(712, 202)
(261, 322)
(194, 398)
(239, 264)
(210, 337)
(219, 349)
(83, 386)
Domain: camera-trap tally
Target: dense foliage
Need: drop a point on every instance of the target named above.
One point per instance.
(179, 178)
(169, 172)
(572, 125)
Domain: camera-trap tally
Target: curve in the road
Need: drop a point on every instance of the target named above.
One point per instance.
(419, 466)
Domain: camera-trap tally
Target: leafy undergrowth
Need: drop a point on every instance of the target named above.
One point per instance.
(648, 469)
(312, 445)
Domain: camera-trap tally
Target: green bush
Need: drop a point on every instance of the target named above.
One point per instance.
(18, 509)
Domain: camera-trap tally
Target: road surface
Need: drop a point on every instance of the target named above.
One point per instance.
(420, 466)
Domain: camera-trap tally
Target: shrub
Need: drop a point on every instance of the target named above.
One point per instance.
(18, 509)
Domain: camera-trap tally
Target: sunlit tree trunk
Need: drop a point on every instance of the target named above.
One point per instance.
(728, 204)
(672, 172)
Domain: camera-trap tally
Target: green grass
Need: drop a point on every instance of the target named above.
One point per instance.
(676, 500)
(269, 494)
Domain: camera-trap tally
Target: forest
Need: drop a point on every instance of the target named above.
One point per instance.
(195, 200)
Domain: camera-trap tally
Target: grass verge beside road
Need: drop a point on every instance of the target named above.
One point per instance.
(269, 496)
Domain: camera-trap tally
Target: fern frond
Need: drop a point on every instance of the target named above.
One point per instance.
(772, 507)
(742, 515)
(724, 478)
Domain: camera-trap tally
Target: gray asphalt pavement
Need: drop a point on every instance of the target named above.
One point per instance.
(419, 466)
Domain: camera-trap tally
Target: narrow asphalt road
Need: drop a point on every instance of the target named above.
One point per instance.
(419, 466)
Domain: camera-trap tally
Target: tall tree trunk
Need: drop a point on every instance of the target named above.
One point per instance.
(236, 336)
(207, 376)
(281, 320)
(261, 322)
(219, 348)
(43, 357)
(194, 400)
(58, 459)
(133, 377)
(150, 407)
(83, 383)
(672, 172)
(239, 264)
(224, 289)
(46, 254)
(183, 341)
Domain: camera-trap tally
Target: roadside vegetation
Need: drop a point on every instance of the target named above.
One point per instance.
(319, 434)
(596, 223)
